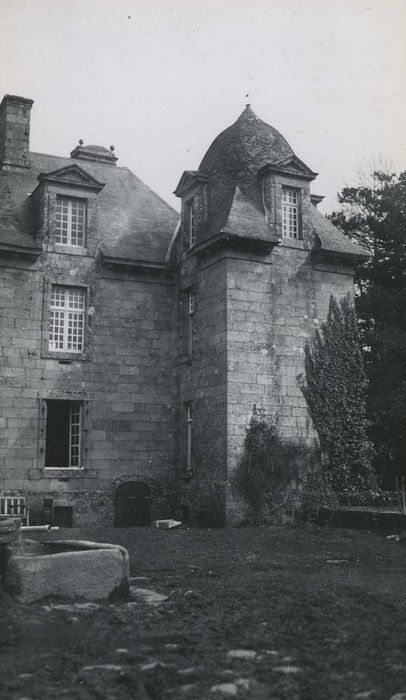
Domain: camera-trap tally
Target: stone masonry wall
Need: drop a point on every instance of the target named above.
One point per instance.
(202, 381)
(273, 306)
(126, 386)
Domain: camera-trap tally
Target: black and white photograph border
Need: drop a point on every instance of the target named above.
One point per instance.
(202, 349)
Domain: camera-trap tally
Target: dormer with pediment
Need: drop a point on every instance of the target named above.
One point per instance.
(192, 190)
(66, 204)
(286, 199)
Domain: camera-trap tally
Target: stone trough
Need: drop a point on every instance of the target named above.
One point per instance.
(34, 570)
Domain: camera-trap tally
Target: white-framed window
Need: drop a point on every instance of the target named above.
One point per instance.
(188, 412)
(290, 213)
(63, 434)
(70, 221)
(190, 218)
(67, 319)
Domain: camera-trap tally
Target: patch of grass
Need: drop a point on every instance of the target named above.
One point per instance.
(324, 611)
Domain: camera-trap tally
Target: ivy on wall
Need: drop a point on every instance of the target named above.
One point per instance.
(267, 467)
(335, 389)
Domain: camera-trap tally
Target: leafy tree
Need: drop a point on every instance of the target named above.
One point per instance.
(374, 215)
(335, 391)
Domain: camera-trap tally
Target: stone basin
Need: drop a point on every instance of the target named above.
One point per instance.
(66, 569)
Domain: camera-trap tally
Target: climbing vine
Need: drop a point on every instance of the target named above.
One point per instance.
(267, 466)
(335, 388)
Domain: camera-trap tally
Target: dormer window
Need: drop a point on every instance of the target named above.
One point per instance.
(290, 213)
(70, 221)
(190, 220)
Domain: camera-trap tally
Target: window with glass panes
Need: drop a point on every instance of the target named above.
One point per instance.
(63, 434)
(70, 221)
(290, 213)
(67, 319)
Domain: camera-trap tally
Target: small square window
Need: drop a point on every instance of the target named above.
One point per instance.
(63, 434)
(70, 222)
(290, 213)
(67, 319)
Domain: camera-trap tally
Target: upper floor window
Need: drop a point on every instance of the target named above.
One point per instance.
(70, 221)
(191, 313)
(67, 319)
(188, 323)
(290, 213)
(190, 218)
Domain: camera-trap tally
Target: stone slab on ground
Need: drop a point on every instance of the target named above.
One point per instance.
(363, 517)
(93, 573)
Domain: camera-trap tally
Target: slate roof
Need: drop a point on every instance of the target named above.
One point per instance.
(245, 218)
(233, 160)
(233, 163)
(134, 222)
(329, 238)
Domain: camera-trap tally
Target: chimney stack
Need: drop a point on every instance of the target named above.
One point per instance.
(14, 131)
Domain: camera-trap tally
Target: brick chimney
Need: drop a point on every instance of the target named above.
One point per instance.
(15, 131)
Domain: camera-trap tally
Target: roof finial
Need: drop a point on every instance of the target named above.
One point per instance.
(247, 96)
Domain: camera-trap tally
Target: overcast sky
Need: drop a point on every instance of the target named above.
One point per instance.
(160, 79)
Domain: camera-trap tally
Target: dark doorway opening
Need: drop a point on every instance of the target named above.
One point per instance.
(133, 505)
(63, 516)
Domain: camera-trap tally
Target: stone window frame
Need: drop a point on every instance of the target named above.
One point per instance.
(298, 207)
(65, 280)
(46, 197)
(74, 398)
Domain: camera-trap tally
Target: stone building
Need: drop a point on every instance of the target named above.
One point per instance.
(134, 344)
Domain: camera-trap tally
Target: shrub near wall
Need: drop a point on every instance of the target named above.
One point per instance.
(267, 468)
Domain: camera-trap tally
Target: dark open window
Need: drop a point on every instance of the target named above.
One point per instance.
(63, 434)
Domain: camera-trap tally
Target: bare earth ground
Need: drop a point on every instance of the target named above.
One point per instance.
(308, 614)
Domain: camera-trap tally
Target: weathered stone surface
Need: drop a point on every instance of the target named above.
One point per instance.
(244, 654)
(92, 574)
(227, 690)
(147, 595)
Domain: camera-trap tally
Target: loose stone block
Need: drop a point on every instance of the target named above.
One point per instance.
(68, 569)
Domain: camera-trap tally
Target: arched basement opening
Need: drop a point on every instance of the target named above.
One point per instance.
(133, 505)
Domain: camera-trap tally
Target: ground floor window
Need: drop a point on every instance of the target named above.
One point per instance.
(63, 435)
